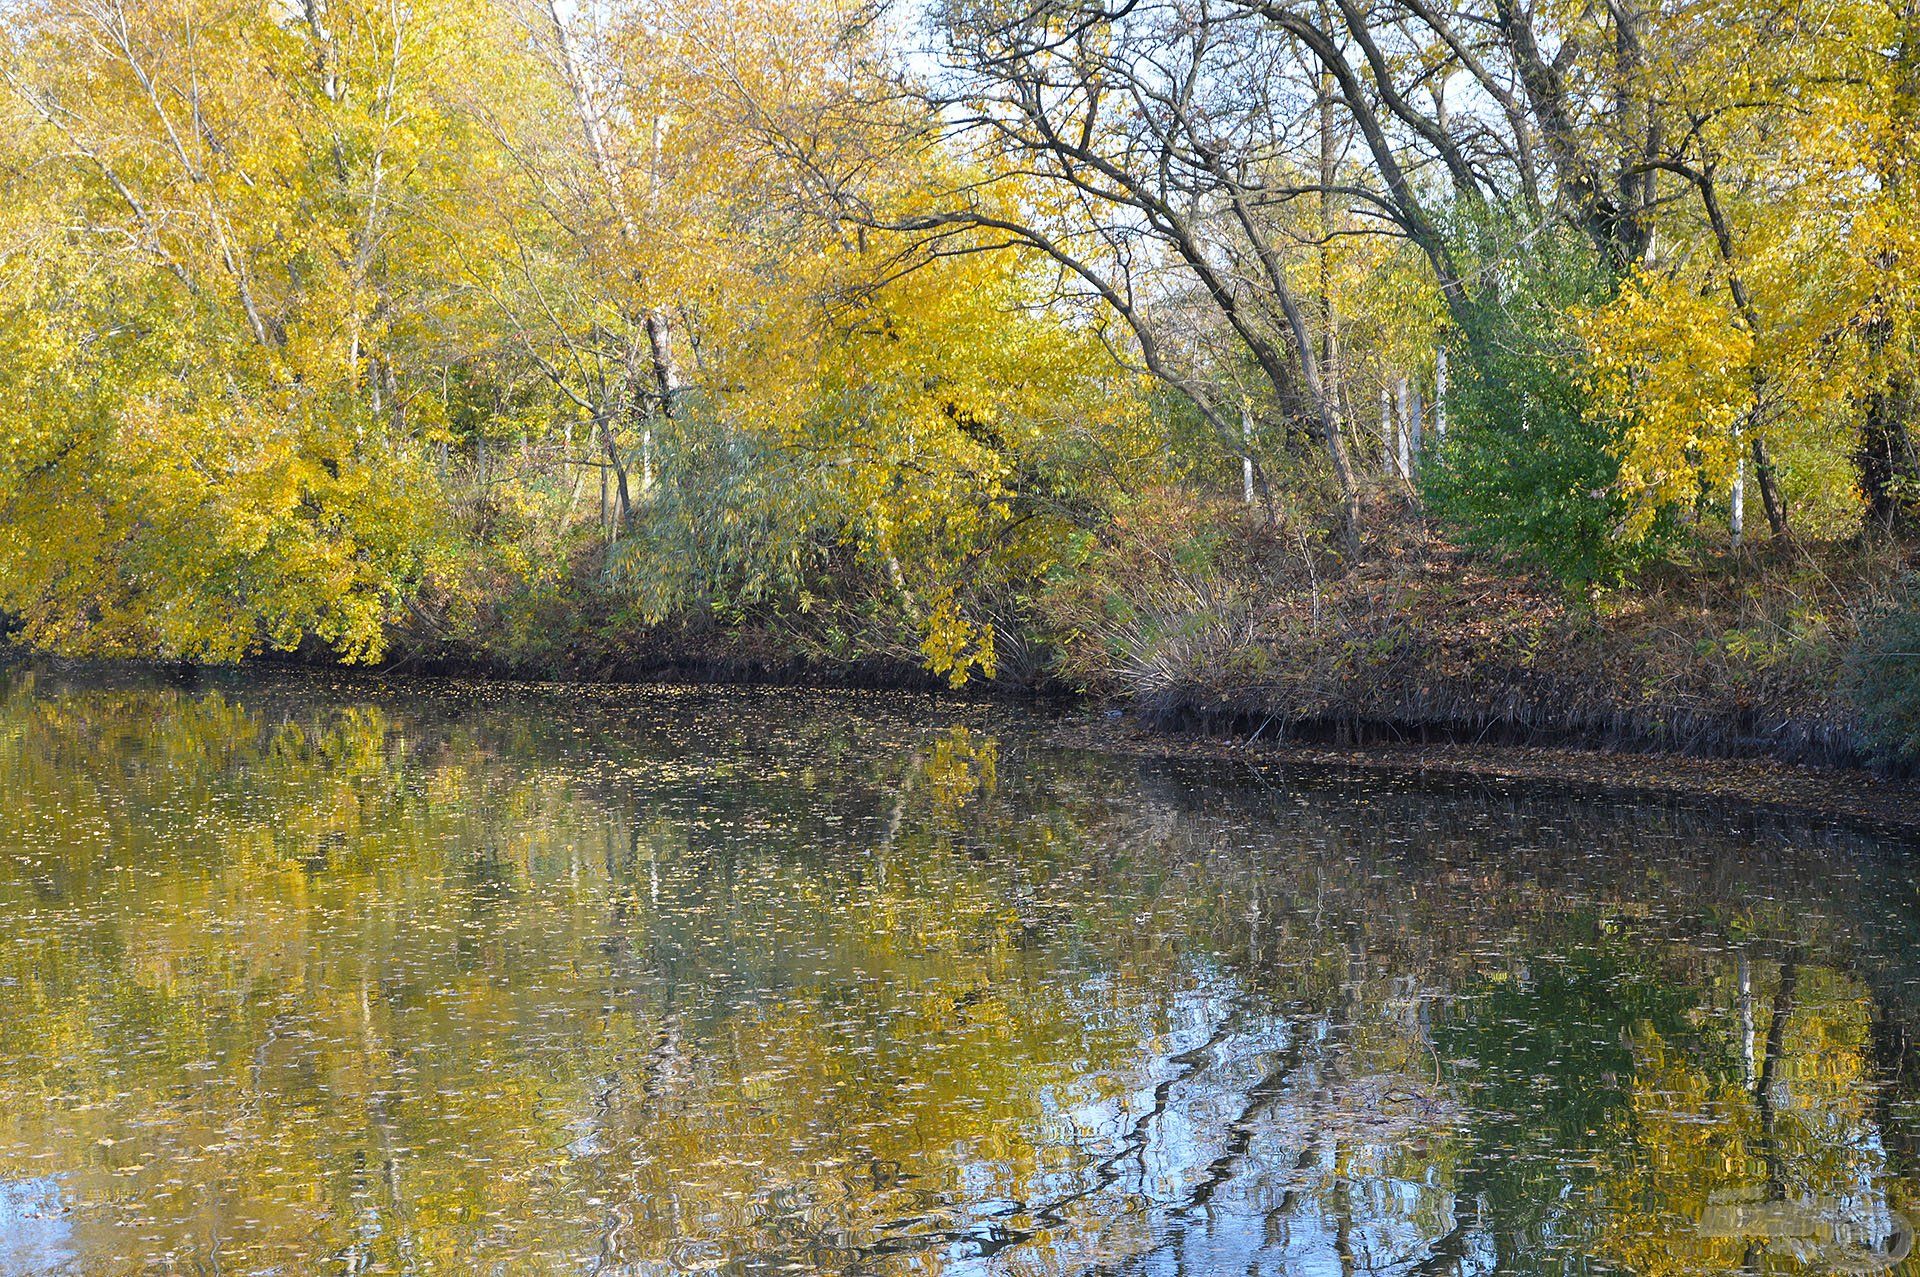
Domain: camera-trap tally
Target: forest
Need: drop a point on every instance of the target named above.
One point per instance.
(1526, 369)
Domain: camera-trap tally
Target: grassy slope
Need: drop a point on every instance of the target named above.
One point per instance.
(1742, 655)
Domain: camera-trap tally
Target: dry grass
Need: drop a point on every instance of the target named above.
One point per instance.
(1730, 655)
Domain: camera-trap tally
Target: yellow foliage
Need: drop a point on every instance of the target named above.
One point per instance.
(1676, 367)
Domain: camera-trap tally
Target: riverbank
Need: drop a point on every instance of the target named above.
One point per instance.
(1880, 802)
(1875, 800)
(1198, 621)
(1796, 653)
(1199, 617)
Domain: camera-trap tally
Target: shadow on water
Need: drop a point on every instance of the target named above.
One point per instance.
(320, 976)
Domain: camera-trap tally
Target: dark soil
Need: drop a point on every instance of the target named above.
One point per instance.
(1879, 802)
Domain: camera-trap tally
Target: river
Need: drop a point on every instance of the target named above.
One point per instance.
(309, 974)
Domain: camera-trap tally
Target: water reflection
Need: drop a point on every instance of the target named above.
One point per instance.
(316, 978)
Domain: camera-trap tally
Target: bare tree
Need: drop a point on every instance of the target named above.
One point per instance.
(1149, 147)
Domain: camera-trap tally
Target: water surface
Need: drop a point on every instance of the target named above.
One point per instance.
(306, 975)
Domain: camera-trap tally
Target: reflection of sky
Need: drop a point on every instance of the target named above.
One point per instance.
(1273, 1210)
(1175, 1109)
(35, 1228)
(1198, 1203)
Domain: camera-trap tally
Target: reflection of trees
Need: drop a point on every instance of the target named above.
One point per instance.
(1588, 959)
(1777, 1167)
(364, 980)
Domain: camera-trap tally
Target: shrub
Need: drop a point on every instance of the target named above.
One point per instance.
(1527, 471)
(1884, 677)
(1167, 595)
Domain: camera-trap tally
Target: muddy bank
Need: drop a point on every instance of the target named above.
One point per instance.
(1572, 691)
(1778, 654)
(1881, 802)
(1429, 749)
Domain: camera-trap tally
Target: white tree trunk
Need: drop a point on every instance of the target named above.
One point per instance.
(1737, 506)
(1246, 459)
(1440, 396)
(1405, 454)
(1416, 420)
(1386, 431)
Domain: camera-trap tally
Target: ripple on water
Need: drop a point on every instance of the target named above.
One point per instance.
(317, 976)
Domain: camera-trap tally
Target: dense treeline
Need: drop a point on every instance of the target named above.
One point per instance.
(999, 337)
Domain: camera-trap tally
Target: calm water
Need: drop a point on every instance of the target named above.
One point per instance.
(314, 976)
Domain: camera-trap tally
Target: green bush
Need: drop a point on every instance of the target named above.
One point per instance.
(1884, 673)
(1526, 472)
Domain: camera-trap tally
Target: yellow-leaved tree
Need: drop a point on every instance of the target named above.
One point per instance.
(842, 409)
(219, 287)
(1736, 348)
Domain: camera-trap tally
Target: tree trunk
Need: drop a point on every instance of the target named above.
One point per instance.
(1246, 459)
(1406, 428)
(1319, 393)
(1331, 435)
(1770, 495)
(1887, 454)
(1763, 474)
(623, 498)
(1737, 504)
(666, 381)
(666, 374)
(1387, 442)
(1417, 419)
(1329, 318)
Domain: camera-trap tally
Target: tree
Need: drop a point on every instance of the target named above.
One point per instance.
(216, 430)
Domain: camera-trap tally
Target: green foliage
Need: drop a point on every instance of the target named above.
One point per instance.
(710, 531)
(1884, 678)
(1527, 471)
